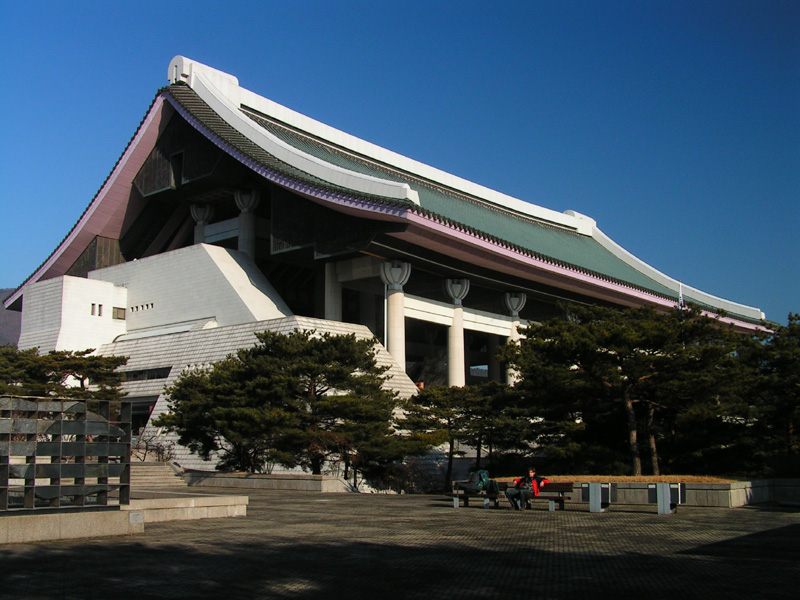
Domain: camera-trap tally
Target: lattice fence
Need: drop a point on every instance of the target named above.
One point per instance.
(57, 452)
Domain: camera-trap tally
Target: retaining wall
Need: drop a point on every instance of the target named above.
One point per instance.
(721, 495)
(184, 507)
(280, 481)
(67, 524)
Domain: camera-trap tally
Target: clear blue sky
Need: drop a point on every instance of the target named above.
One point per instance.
(676, 125)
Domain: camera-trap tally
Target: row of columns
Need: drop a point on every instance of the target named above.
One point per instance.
(395, 275)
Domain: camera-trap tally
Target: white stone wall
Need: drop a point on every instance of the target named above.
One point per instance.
(194, 283)
(71, 313)
(204, 347)
(41, 315)
(87, 318)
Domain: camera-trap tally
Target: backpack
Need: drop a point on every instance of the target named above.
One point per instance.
(480, 479)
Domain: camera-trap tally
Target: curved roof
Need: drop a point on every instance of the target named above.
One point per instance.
(332, 166)
(555, 242)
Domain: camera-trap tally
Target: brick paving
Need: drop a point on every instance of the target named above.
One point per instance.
(304, 545)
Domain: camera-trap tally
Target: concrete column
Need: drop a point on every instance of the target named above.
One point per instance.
(457, 289)
(333, 293)
(395, 275)
(247, 202)
(202, 214)
(515, 302)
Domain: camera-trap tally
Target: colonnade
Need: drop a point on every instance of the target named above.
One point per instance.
(395, 275)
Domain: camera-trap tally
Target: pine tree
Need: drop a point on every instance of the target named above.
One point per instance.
(302, 399)
(435, 416)
(66, 374)
(604, 373)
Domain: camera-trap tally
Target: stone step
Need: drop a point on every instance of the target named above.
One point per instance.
(149, 475)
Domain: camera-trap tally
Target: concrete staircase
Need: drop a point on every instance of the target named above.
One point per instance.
(149, 475)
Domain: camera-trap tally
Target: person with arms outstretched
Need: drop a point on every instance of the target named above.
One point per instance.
(525, 488)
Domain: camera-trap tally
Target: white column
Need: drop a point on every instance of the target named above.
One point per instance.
(395, 275)
(457, 289)
(201, 213)
(333, 293)
(247, 201)
(515, 302)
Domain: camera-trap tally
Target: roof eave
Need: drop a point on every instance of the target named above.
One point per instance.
(104, 214)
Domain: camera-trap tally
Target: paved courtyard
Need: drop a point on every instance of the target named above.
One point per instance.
(307, 545)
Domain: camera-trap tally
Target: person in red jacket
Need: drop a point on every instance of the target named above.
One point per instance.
(524, 488)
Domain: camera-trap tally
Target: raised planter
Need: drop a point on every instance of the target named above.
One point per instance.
(66, 524)
(280, 481)
(174, 506)
(720, 495)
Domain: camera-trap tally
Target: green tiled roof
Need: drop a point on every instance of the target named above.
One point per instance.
(549, 242)
(554, 243)
(195, 106)
(533, 237)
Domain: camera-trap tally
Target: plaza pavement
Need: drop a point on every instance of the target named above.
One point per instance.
(311, 545)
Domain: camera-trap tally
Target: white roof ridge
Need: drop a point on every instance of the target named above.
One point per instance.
(224, 94)
(221, 92)
(674, 284)
(220, 87)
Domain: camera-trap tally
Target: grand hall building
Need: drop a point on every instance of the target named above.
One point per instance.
(228, 214)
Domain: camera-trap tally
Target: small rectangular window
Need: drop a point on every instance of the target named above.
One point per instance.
(118, 313)
(99, 310)
(93, 307)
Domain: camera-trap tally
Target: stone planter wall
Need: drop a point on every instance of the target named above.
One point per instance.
(722, 495)
(281, 481)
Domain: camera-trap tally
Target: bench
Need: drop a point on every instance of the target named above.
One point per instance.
(464, 496)
(556, 492)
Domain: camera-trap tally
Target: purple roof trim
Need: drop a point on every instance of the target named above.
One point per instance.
(406, 213)
(433, 222)
(94, 220)
(285, 180)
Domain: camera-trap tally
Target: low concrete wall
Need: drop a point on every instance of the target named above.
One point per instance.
(281, 481)
(720, 495)
(184, 507)
(147, 507)
(66, 524)
(786, 491)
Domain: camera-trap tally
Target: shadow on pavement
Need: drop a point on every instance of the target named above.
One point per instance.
(357, 569)
(772, 546)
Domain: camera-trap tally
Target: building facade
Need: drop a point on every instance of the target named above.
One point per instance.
(229, 214)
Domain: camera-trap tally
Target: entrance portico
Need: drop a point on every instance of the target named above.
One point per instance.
(457, 342)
